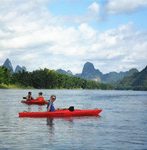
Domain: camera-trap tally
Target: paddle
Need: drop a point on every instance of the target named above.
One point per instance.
(71, 108)
(29, 99)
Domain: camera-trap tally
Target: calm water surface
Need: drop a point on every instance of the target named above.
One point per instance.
(121, 126)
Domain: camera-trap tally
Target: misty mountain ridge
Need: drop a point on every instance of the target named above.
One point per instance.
(138, 81)
(88, 72)
(7, 64)
(114, 77)
(20, 69)
(61, 71)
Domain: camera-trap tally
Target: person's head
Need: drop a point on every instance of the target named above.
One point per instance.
(40, 93)
(29, 93)
(53, 98)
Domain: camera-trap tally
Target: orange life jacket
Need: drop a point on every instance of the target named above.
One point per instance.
(40, 98)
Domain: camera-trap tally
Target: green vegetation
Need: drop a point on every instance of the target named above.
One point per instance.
(137, 81)
(50, 79)
(13, 86)
(5, 76)
(45, 79)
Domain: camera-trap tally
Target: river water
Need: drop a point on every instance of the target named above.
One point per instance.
(122, 124)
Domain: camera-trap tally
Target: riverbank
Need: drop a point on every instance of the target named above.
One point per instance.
(13, 86)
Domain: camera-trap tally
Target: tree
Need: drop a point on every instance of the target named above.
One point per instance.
(5, 75)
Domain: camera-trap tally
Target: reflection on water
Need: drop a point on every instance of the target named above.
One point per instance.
(40, 108)
(50, 122)
(29, 108)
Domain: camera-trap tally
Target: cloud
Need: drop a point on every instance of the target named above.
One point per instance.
(94, 7)
(90, 13)
(123, 46)
(124, 6)
(32, 36)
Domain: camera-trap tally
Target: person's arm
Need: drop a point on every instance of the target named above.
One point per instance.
(27, 98)
(49, 106)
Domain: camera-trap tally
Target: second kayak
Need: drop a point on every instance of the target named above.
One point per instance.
(34, 102)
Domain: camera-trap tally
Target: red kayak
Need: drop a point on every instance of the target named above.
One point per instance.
(34, 102)
(61, 113)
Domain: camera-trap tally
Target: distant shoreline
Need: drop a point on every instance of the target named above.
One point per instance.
(12, 86)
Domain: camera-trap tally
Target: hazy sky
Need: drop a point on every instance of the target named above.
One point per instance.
(112, 34)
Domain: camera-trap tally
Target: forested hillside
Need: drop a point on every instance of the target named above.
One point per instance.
(46, 79)
(137, 81)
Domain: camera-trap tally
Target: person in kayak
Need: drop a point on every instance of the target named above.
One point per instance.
(50, 106)
(29, 96)
(40, 97)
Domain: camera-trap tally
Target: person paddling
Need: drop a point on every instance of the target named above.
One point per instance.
(29, 96)
(50, 106)
(40, 97)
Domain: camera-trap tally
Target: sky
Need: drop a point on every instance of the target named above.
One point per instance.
(54, 34)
